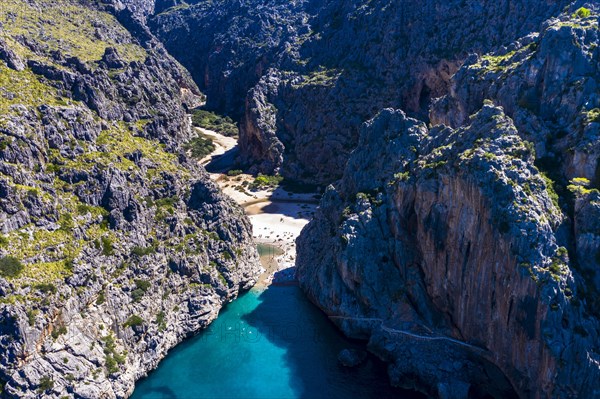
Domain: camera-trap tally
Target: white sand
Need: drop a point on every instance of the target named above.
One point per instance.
(222, 144)
(279, 225)
(277, 215)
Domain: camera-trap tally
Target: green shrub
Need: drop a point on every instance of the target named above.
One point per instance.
(550, 189)
(141, 251)
(200, 147)
(133, 321)
(3, 241)
(555, 267)
(69, 264)
(57, 332)
(10, 267)
(111, 365)
(142, 284)
(46, 288)
(66, 222)
(593, 116)
(149, 201)
(46, 383)
(580, 186)
(101, 298)
(113, 358)
(401, 177)
(234, 172)
(211, 121)
(562, 252)
(107, 246)
(120, 358)
(160, 320)
(264, 181)
(167, 201)
(582, 13)
(137, 295)
(31, 314)
(109, 344)
(222, 279)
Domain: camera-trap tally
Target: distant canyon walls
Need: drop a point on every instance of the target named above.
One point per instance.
(318, 70)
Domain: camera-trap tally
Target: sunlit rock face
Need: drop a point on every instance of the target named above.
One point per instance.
(302, 76)
(443, 247)
(114, 245)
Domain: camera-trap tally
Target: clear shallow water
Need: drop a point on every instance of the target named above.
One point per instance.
(268, 250)
(269, 344)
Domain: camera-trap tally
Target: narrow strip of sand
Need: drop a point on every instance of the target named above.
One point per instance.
(277, 215)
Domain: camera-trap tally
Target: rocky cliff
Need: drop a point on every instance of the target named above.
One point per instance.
(115, 246)
(460, 236)
(444, 248)
(547, 82)
(467, 253)
(314, 66)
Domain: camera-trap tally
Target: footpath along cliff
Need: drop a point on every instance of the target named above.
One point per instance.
(467, 253)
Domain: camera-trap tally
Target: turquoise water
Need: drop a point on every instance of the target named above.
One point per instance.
(270, 344)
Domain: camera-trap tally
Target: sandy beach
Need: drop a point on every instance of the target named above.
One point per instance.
(222, 144)
(277, 215)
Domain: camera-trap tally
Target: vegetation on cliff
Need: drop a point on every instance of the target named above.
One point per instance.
(211, 121)
(110, 234)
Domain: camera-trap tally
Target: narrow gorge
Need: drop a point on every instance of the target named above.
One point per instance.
(425, 173)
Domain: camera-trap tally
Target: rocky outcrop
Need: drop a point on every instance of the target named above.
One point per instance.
(467, 253)
(443, 247)
(547, 83)
(318, 70)
(228, 45)
(114, 246)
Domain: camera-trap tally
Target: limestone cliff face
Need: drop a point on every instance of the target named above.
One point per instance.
(547, 82)
(361, 58)
(443, 248)
(114, 246)
(483, 231)
(227, 45)
(318, 66)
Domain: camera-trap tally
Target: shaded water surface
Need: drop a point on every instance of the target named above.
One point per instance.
(266, 344)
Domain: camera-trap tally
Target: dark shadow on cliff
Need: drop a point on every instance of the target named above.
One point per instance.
(312, 344)
(223, 163)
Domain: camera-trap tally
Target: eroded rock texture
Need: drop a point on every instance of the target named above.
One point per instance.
(443, 247)
(315, 67)
(482, 229)
(114, 246)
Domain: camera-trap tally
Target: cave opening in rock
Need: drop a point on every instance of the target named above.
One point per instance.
(424, 99)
